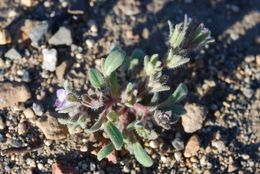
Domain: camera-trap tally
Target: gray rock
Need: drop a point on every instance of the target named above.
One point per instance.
(13, 54)
(219, 145)
(193, 119)
(248, 92)
(1, 138)
(38, 109)
(38, 32)
(16, 143)
(49, 59)
(26, 76)
(61, 37)
(178, 144)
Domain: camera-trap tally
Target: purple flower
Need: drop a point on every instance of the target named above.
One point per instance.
(61, 97)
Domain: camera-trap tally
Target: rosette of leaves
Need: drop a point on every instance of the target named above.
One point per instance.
(128, 109)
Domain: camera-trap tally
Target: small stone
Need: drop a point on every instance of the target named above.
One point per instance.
(1, 138)
(90, 43)
(12, 93)
(30, 162)
(61, 37)
(16, 143)
(248, 92)
(92, 166)
(163, 159)
(49, 59)
(178, 144)
(193, 119)
(28, 3)
(177, 156)
(26, 76)
(29, 114)
(22, 128)
(231, 168)
(219, 145)
(47, 142)
(60, 71)
(100, 172)
(51, 128)
(258, 59)
(4, 37)
(154, 144)
(13, 54)
(83, 148)
(249, 59)
(2, 123)
(58, 168)
(38, 109)
(126, 169)
(40, 166)
(245, 156)
(37, 31)
(192, 146)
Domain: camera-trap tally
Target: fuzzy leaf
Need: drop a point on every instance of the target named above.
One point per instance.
(97, 125)
(174, 60)
(113, 84)
(112, 116)
(106, 150)
(95, 78)
(114, 134)
(178, 109)
(113, 61)
(141, 155)
(179, 94)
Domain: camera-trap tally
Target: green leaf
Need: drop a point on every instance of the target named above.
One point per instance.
(112, 116)
(179, 94)
(141, 155)
(113, 84)
(106, 150)
(96, 126)
(178, 109)
(113, 61)
(114, 134)
(95, 78)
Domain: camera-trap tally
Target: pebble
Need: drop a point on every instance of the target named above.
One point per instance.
(60, 71)
(47, 142)
(177, 156)
(92, 166)
(83, 148)
(38, 109)
(16, 143)
(29, 114)
(248, 93)
(51, 128)
(22, 128)
(4, 37)
(28, 3)
(11, 93)
(37, 32)
(90, 43)
(49, 59)
(2, 123)
(219, 145)
(61, 37)
(178, 144)
(26, 76)
(100, 172)
(245, 156)
(154, 144)
(193, 119)
(192, 146)
(13, 54)
(31, 162)
(258, 59)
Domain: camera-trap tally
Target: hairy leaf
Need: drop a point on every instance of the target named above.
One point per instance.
(96, 126)
(95, 78)
(141, 155)
(179, 94)
(113, 61)
(114, 134)
(106, 150)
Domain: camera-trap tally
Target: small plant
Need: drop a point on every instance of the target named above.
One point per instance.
(128, 106)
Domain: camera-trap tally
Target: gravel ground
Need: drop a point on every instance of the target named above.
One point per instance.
(44, 42)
